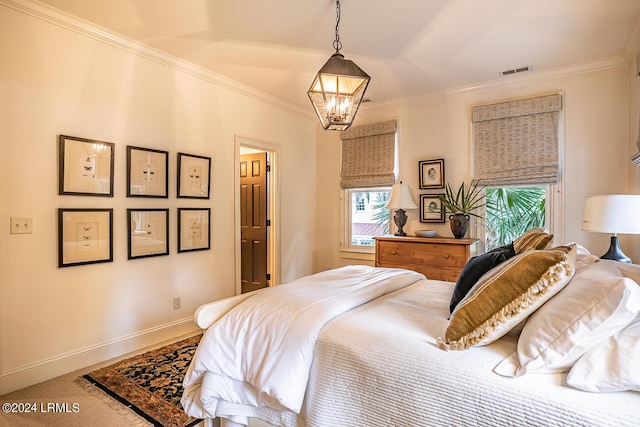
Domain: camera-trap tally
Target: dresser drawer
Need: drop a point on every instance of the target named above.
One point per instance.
(431, 272)
(423, 254)
(436, 258)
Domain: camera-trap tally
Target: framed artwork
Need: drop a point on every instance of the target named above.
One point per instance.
(85, 167)
(148, 231)
(147, 172)
(85, 236)
(193, 229)
(431, 173)
(194, 176)
(431, 208)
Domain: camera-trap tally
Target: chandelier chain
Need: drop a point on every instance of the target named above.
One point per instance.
(337, 44)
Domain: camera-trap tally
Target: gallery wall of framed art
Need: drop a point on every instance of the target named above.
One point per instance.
(87, 167)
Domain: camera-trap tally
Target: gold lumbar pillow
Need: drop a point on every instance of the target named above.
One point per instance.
(507, 295)
(536, 238)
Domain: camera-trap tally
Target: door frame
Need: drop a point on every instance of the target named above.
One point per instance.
(273, 208)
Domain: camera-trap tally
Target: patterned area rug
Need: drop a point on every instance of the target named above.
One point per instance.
(151, 383)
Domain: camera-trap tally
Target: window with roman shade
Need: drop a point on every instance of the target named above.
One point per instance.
(368, 155)
(516, 142)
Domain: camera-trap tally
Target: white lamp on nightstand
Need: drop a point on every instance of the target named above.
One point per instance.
(615, 214)
(401, 201)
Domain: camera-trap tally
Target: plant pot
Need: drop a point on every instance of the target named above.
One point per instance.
(459, 224)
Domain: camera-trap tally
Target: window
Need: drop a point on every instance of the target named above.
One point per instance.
(366, 177)
(517, 155)
(367, 217)
(510, 211)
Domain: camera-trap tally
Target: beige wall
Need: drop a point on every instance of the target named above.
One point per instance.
(632, 243)
(595, 134)
(54, 80)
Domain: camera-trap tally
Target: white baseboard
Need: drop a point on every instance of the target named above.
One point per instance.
(61, 364)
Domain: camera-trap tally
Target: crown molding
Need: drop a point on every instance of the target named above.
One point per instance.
(505, 82)
(73, 23)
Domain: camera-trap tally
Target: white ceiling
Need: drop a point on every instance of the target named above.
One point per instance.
(408, 47)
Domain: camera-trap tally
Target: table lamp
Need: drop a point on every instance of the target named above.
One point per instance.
(615, 214)
(401, 201)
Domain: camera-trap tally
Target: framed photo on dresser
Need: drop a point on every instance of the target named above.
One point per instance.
(431, 208)
(431, 174)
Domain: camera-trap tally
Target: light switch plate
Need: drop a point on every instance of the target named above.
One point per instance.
(21, 225)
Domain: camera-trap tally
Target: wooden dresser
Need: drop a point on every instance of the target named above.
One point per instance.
(437, 258)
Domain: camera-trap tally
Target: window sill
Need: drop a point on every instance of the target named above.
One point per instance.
(359, 255)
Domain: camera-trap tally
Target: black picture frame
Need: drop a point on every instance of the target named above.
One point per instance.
(85, 236)
(147, 172)
(431, 209)
(148, 233)
(85, 167)
(431, 174)
(194, 176)
(194, 229)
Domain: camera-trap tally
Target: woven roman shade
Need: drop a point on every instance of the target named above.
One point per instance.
(516, 142)
(368, 155)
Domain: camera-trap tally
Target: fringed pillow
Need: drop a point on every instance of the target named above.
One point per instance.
(507, 295)
(475, 268)
(536, 238)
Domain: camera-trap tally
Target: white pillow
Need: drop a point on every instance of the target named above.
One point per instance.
(632, 271)
(584, 257)
(597, 303)
(613, 365)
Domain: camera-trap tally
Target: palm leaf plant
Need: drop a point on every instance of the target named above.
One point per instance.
(510, 211)
(381, 215)
(465, 201)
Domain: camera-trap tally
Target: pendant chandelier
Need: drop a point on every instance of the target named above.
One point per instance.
(338, 88)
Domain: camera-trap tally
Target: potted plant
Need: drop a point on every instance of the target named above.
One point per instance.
(461, 205)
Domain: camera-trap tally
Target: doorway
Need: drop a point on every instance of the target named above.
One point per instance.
(256, 185)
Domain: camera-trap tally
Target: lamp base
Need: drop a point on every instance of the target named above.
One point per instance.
(615, 253)
(400, 218)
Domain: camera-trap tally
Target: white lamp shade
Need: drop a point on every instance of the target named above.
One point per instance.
(617, 214)
(401, 198)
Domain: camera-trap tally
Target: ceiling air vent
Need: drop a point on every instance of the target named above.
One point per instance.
(514, 71)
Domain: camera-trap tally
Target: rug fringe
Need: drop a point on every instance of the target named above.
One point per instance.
(122, 410)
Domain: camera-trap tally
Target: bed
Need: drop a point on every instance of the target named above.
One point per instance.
(386, 358)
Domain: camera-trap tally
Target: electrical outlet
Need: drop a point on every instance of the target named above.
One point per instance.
(177, 303)
(21, 225)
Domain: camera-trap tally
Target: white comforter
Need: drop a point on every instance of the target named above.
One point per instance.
(260, 353)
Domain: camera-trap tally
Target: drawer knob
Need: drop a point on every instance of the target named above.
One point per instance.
(394, 252)
(446, 256)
